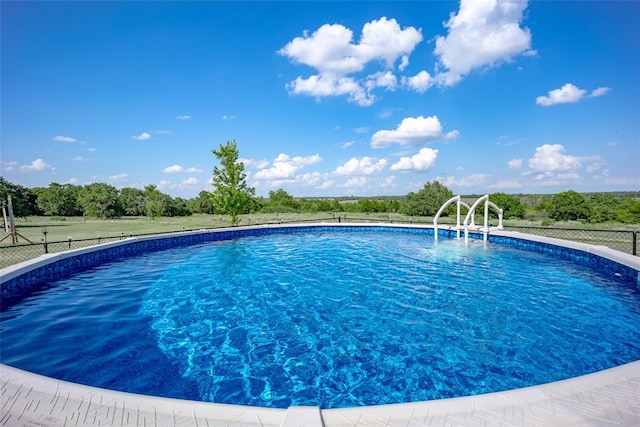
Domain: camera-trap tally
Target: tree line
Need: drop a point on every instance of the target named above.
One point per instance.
(102, 200)
(232, 196)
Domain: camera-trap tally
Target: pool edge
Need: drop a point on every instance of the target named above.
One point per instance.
(611, 397)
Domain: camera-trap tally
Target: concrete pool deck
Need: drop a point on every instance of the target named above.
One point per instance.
(606, 398)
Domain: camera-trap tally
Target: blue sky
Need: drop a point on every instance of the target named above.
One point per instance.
(324, 98)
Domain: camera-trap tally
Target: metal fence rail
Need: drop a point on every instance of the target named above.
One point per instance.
(621, 240)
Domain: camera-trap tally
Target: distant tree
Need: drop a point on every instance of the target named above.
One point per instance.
(133, 201)
(569, 206)
(629, 212)
(231, 195)
(23, 200)
(59, 199)
(281, 201)
(99, 200)
(427, 201)
(157, 203)
(202, 204)
(180, 207)
(511, 205)
(604, 207)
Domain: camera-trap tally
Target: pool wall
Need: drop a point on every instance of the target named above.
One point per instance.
(607, 397)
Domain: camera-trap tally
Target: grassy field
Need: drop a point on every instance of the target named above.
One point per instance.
(74, 232)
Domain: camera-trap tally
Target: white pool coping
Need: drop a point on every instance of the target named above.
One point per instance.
(609, 397)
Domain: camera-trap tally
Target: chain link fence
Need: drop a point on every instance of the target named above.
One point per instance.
(621, 240)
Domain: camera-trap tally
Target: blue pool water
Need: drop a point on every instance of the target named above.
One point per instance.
(325, 318)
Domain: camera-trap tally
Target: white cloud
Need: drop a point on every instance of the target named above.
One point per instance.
(123, 177)
(599, 92)
(363, 166)
(482, 33)
(424, 160)
(514, 164)
(329, 85)
(190, 181)
(73, 181)
(566, 94)
(420, 82)
(227, 117)
(183, 117)
(143, 136)
(92, 149)
(258, 164)
(362, 129)
(285, 167)
(549, 158)
(347, 144)
(61, 138)
(330, 50)
(37, 165)
(80, 159)
(413, 131)
(381, 79)
(180, 169)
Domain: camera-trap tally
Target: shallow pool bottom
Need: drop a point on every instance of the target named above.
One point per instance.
(611, 395)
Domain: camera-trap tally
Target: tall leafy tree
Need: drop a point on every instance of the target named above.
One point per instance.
(23, 200)
(568, 206)
(99, 200)
(231, 195)
(59, 199)
(428, 200)
(158, 203)
(281, 201)
(133, 201)
(510, 205)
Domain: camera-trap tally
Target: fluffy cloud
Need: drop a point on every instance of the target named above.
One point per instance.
(413, 131)
(420, 82)
(142, 136)
(37, 165)
(566, 94)
(569, 94)
(183, 117)
(123, 177)
(425, 159)
(61, 138)
(549, 158)
(285, 167)
(482, 33)
(363, 166)
(180, 169)
(190, 181)
(331, 51)
(514, 164)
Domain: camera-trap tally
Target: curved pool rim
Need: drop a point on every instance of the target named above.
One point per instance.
(611, 395)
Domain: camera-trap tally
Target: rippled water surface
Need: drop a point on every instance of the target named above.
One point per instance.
(332, 319)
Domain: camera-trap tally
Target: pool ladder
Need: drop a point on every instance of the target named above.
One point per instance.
(466, 226)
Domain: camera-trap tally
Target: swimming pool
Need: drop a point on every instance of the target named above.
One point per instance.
(417, 254)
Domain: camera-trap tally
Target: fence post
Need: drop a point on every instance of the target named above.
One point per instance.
(635, 243)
